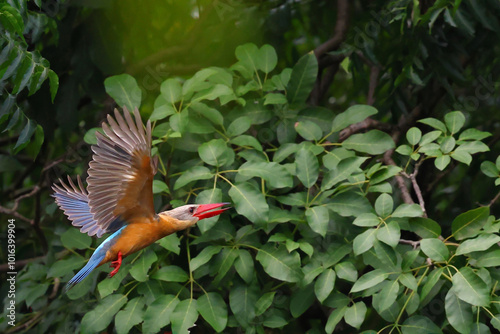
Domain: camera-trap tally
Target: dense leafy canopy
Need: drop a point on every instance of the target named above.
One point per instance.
(358, 155)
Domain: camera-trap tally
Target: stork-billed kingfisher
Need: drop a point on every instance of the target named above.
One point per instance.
(119, 196)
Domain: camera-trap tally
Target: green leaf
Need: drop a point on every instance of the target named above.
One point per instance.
(264, 302)
(442, 161)
(408, 210)
(248, 54)
(404, 150)
(318, 218)
(371, 142)
(239, 126)
(369, 280)
(216, 153)
(54, 84)
(490, 169)
(124, 90)
(355, 314)
(275, 98)
(63, 267)
(481, 243)
(267, 58)
(425, 227)
(447, 145)
(346, 271)
(224, 262)
(184, 316)
(246, 141)
(458, 313)
(409, 281)
(213, 309)
(470, 288)
(343, 170)
(161, 112)
(242, 299)
(420, 325)
(324, 284)
(435, 123)
(429, 138)
(389, 234)
(335, 318)
(158, 314)
(454, 121)
(388, 295)
(490, 259)
(461, 156)
(432, 280)
(302, 80)
(171, 243)
(301, 300)
(350, 204)
(193, 174)
(25, 136)
(384, 205)
(364, 241)
(308, 130)
(204, 256)
(244, 265)
(275, 174)
(307, 167)
(473, 134)
(249, 202)
(212, 114)
(140, 269)
(435, 249)
(159, 187)
(99, 318)
(468, 224)
(171, 274)
(352, 115)
(280, 264)
(366, 220)
(130, 316)
(212, 93)
(387, 256)
(414, 135)
(73, 238)
(171, 90)
(473, 147)
(11, 19)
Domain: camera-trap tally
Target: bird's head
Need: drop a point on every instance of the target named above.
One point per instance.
(187, 215)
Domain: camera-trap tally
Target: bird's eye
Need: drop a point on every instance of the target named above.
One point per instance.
(191, 210)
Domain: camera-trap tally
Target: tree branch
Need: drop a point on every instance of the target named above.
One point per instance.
(339, 31)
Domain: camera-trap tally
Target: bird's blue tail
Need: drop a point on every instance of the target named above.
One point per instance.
(94, 261)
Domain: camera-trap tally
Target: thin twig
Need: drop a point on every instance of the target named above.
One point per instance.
(412, 243)
(494, 199)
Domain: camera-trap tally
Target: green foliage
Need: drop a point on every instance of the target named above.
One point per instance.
(20, 69)
(322, 236)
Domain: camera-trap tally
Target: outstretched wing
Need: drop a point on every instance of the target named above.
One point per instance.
(121, 173)
(73, 201)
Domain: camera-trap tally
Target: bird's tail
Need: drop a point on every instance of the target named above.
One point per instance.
(94, 261)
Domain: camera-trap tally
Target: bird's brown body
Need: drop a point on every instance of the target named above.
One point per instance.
(138, 234)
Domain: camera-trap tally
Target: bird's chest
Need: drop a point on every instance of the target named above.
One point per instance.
(137, 236)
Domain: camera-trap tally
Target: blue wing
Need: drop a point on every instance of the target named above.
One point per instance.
(75, 204)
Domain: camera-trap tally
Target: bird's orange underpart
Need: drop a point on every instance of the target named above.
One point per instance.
(116, 264)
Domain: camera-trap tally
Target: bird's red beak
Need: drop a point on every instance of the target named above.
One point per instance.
(204, 210)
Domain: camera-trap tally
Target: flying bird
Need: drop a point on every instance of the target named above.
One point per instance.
(119, 196)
